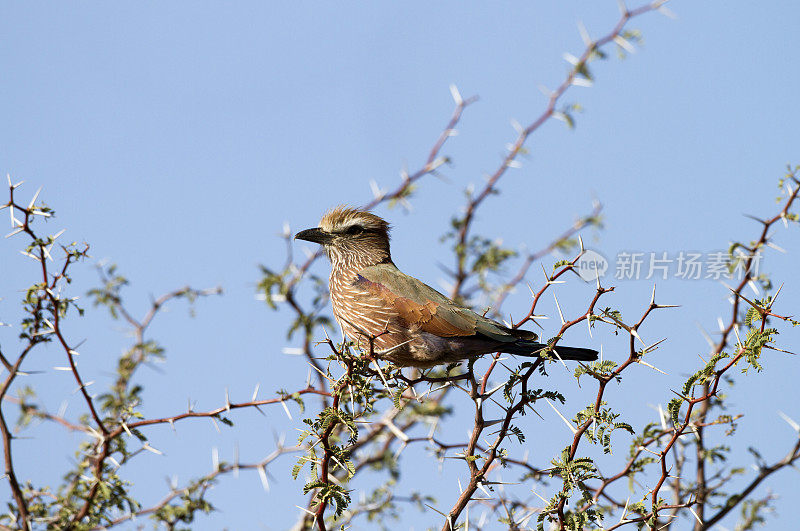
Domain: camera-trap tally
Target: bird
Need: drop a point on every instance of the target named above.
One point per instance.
(395, 317)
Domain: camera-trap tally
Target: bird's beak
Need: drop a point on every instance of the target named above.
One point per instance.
(315, 235)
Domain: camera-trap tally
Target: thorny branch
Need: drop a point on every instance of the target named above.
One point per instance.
(47, 307)
(204, 483)
(462, 273)
(578, 74)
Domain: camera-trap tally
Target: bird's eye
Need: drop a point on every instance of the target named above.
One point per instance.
(354, 230)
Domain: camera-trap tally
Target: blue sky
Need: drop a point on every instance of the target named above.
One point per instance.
(178, 138)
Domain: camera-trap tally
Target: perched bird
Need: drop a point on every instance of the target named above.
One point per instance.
(408, 322)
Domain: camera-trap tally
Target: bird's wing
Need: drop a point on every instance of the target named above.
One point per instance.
(418, 304)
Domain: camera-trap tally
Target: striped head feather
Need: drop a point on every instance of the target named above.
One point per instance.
(341, 218)
(352, 238)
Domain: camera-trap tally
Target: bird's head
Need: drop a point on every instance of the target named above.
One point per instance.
(351, 236)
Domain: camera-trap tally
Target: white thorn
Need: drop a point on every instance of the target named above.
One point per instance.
(736, 332)
(377, 193)
(582, 82)
(667, 12)
(754, 287)
(624, 44)
(789, 421)
(456, 95)
(635, 334)
(395, 430)
(662, 417)
(568, 423)
(651, 366)
(625, 510)
(149, 448)
(695, 515)
(779, 249)
(584, 34)
(706, 336)
(15, 232)
(35, 197)
(262, 473)
(557, 355)
(286, 409)
(29, 255)
(560, 314)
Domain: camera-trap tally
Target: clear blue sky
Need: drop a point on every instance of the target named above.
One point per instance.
(177, 138)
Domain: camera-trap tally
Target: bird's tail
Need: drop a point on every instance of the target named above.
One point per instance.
(530, 348)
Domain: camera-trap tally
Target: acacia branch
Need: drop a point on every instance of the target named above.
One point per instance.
(579, 70)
